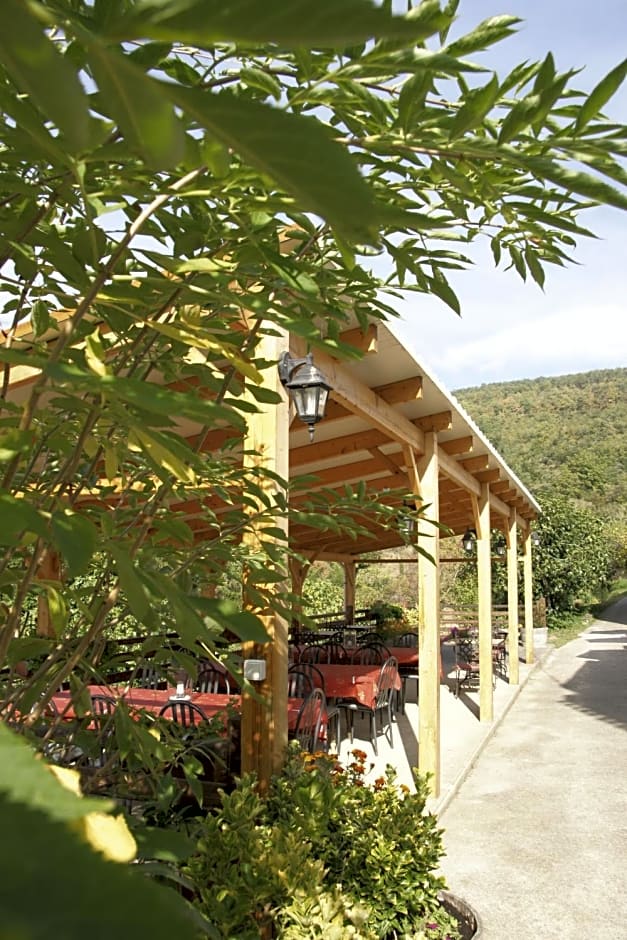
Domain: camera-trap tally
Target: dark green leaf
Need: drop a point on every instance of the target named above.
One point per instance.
(601, 94)
(40, 317)
(289, 25)
(535, 268)
(18, 516)
(76, 538)
(38, 69)
(135, 591)
(477, 104)
(485, 34)
(445, 292)
(138, 105)
(297, 152)
(229, 616)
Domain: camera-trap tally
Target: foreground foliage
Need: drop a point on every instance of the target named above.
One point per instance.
(323, 855)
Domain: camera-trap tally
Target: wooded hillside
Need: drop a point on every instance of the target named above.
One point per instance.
(563, 434)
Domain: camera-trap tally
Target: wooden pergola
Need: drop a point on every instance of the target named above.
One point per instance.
(389, 424)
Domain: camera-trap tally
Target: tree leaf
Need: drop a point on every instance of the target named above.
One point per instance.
(477, 104)
(601, 94)
(297, 152)
(137, 103)
(485, 34)
(38, 69)
(76, 538)
(299, 23)
(19, 516)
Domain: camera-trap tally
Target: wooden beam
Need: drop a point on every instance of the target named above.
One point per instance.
(488, 476)
(366, 342)
(442, 421)
(362, 401)
(472, 464)
(397, 393)
(459, 445)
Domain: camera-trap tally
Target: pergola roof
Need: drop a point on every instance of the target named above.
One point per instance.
(380, 405)
(379, 410)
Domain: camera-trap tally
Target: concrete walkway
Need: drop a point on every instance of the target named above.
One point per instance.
(536, 834)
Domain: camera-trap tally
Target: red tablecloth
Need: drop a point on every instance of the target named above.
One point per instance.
(153, 700)
(354, 682)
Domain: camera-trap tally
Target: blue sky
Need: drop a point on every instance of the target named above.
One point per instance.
(508, 329)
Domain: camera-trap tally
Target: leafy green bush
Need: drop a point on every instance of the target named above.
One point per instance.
(322, 855)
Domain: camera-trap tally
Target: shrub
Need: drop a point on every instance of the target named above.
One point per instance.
(322, 855)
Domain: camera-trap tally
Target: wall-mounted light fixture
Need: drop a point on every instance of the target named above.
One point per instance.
(535, 539)
(469, 539)
(307, 386)
(406, 523)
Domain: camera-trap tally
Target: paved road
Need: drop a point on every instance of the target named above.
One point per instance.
(536, 837)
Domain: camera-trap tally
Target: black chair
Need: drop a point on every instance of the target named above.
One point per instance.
(212, 680)
(407, 640)
(382, 708)
(368, 656)
(102, 724)
(149, 677)
(317, 678)
(299, 683)
(406, 672)
(334, 652)
(316, 653)
(365, 639)
(466, 663)
(186, 714)
(310, 728)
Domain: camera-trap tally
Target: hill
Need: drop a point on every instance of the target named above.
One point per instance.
(563, 434)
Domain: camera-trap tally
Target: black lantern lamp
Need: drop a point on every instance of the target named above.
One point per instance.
(500, 550)
(307, 386)
(468, 541)
(535, 539)
(406, 523)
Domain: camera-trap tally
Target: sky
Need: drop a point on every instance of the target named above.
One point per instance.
(510, 329)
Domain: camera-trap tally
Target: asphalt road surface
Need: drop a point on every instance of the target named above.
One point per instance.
(536, 837)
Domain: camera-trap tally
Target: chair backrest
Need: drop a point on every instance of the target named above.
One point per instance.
(212, 680)
(467, 649)
(102, 708)
(310, 669)
(311, 720)
(316, 653)
(368, 656)
(184, 713)
(386, 682)
(299, 683)
(365, 639)
(149, 677)
(407, 639)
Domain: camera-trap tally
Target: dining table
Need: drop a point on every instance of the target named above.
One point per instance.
(352, 681)
(152, 700)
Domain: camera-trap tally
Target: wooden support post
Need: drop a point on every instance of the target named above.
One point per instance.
(49, 570)
(350, 571)
(429, 654)
(484, 574)
(264, 722)
(528, 587)
(512, 599)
